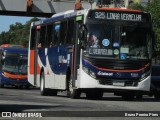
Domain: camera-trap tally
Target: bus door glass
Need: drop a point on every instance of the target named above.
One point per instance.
(53, 36)
(33, 52)
(1, 60)
(77, 47)
(62, 58)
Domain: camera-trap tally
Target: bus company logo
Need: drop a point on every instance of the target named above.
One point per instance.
(118, 74)
(105, 42)
(134, 74)
(6, 114)
(104, 73)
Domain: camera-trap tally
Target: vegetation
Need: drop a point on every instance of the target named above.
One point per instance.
(17, 34)
(153, 7)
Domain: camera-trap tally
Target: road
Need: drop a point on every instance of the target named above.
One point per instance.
(30, 101)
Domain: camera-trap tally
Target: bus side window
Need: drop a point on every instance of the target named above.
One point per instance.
(63, 33)
(33, 38)
(49, 36)
(70, 32)
(56, 35)
(42, 39)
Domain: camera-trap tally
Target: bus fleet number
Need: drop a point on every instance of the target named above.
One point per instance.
(100, 15)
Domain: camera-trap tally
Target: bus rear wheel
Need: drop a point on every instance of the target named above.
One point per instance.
(128, 97)
(43, 90)
(1, 85)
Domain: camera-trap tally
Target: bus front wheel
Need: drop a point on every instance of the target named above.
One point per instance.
(43, 90)
(94, 94)
(1, 85)
(128, 97)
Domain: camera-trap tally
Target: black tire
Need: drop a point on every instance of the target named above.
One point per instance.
(52, 92)
(1, 85)
(73, 92)
(43, 90)
(128, 97)
(94, 95)
(157, 95)
(139, 96)
(27, 87)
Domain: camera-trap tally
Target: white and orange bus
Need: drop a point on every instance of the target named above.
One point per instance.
(92, 51)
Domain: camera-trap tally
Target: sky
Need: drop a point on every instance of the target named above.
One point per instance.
(6, 21)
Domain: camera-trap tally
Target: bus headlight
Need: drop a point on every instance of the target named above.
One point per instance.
(92, 74)
(85, 69)
(144, 75)
(89, 72)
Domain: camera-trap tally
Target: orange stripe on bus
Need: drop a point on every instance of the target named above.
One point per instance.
(15, 76)
(32, 54)
(118, 9)
(32, 61)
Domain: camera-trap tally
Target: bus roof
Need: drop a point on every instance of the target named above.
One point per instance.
(72, 13)
(15, 50)
(12, 45)
(119, 9)
(59, 16)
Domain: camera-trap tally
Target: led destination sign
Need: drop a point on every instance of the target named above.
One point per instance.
(118, 16)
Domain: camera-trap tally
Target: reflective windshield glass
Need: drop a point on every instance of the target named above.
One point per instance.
(22, 65)
(135, 43)
(100, 39)
(118, 42)
(10, 64)
(15, 64)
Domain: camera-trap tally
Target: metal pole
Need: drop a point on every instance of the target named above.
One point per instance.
(126, 3)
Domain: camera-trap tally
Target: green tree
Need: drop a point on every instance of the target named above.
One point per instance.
(17, 34)
(153, 7)
(137, 6)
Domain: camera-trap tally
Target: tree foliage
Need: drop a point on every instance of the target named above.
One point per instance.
(17, 34)
(137, 6)
(152, 7)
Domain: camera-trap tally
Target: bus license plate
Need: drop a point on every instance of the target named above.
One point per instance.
(118, 83)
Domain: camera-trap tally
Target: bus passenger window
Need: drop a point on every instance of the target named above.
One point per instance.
(33, 38)
(70, 32)
(63, 33)
(56, 34)
(43, 36)
(49, 36)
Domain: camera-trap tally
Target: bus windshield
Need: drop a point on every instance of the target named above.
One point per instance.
(15, 64)
(118, 42)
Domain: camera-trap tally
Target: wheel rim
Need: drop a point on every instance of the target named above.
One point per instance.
(70, 87)
(42, 84)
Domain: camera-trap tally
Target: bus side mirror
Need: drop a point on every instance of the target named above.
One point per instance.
(81, 35)
(82, 38)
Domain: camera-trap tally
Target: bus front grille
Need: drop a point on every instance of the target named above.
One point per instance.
(126, 82)
(117, 64)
